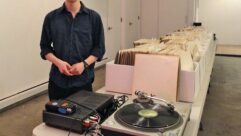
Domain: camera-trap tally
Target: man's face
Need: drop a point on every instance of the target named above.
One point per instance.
(71, 1)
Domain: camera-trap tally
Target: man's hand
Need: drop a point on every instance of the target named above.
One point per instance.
(77, 69)
(64, 68)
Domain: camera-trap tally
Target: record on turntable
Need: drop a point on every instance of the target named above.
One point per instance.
(148, 117)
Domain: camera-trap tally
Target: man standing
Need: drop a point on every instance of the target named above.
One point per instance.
(73, 40)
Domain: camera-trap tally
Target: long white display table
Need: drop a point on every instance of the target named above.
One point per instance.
(192, 127)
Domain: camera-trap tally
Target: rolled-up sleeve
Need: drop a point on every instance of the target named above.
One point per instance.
(98, 38)
(46, 39)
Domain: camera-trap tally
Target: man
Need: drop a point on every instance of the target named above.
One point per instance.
(73, 40)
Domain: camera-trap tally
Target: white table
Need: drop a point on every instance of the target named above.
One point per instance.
(44, 130)
(192, 127)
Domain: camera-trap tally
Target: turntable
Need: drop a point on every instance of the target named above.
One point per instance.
(147, 116)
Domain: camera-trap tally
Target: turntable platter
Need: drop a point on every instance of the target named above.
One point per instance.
(147, 116)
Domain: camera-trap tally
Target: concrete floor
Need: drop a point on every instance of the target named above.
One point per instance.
(222, 112)
(221, 115)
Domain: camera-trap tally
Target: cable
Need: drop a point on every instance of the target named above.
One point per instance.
(94, 130)
(120, 100)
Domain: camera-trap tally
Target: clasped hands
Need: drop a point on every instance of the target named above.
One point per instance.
(68, 70)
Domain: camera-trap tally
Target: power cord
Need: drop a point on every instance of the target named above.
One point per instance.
(120, 100)
(94, 130)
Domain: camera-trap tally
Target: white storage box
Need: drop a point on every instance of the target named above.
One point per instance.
(189, 84)
(119, 79)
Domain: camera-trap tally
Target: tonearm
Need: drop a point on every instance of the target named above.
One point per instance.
(143, 95)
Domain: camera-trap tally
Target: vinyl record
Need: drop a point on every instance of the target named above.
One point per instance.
(147, 116)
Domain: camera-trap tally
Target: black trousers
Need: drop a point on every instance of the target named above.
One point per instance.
(56, 92)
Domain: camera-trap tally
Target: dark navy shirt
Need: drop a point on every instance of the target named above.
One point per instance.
(72, 40)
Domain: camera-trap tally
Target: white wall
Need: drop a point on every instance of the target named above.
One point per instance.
(149, 18)
(20, 31)
(115, 30)
(172, 15)
(191, 13)
(131, 12)
(160, 17)
(222, 17)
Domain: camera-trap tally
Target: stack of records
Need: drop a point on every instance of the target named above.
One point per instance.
(185, 43)
(146, 41)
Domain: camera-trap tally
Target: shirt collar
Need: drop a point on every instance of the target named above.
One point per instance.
(82, 9)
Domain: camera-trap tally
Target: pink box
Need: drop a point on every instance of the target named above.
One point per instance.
(157, 75)
(118, 78)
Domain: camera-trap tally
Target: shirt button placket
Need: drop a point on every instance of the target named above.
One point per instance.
(71, 47)
(71, 41)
